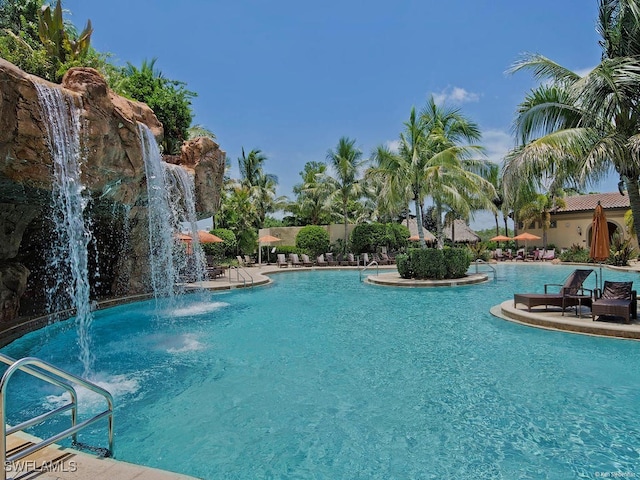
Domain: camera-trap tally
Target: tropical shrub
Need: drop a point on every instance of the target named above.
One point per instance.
(313, 240)
(368, 237)
(456, 261)
(222, 250)
(397, 236)
(576, 253)
(621, 251)
(434, 264)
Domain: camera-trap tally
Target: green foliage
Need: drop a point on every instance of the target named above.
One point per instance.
(480, 251)
(287, 249)
(247, 241)
(368, 237)
(20, 17)
(456, 261)
(404, 266)
(58, 43)
(434, 264)
(576, 253)
(313, 240)
(621, 250)
(225, 249)
(169, 100)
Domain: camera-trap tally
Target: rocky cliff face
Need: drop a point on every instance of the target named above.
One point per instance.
(114, 176)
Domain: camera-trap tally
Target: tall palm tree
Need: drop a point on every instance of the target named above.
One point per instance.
(346, 161)
(311, 204)
(261, 185)
(451, 175)
(585, 126)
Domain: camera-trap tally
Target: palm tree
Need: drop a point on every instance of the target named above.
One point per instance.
(539, 210)
(584, 126)
(311, 204)
(451, 176)
(261, 185)
(345, 160)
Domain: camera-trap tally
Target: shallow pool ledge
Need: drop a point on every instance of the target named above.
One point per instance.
(393, 279)
(553, 319)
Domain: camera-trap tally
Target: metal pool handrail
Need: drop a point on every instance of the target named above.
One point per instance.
(373, 262)
(493, 269)
(240, 275)
(56, 376)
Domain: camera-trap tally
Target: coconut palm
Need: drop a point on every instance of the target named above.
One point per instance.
(261, 185)
(311, 204)
(539, 210)
(451, 175)
(345, 161)
(584, 127)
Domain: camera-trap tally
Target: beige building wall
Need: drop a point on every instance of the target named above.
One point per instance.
(575, 228)
(287, 235)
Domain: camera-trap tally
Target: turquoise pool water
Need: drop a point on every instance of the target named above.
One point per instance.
(321, 376)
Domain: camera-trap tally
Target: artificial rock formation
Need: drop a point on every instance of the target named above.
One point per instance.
(113, 173)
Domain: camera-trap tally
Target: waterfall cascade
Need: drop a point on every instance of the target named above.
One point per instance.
(69, 248)
(171, 204)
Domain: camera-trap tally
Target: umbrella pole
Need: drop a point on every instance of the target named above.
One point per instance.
(259, 254)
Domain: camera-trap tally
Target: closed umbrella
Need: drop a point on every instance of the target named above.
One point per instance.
(600, 245)
(265, 239)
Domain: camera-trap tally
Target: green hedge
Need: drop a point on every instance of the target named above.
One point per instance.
(434, 264)
(368, 237)
(313, 240)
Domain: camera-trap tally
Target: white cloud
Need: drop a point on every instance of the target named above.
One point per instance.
(393, 145)
(497, 143)
(455, 95)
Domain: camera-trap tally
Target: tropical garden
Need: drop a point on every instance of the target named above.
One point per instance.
(570, 131)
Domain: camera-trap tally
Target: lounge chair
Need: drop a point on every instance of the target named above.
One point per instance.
(520, 255)
(281, 261)
(247, 261)
(320, 261)
(350, 261)
(295, 261)
(306, 262)
(571, 294)
(386, 258)
(214, 272)
(549, 254)
(617, 300)
(240, 260)
(331, 260)
(365, 259)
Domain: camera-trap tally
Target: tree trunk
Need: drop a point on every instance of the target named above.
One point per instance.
(497, 225)
(345, 213)
(506, 228)
(419, 223)
(634, 201)
(439, 234)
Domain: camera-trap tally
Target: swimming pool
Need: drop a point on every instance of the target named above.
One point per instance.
(321, 376)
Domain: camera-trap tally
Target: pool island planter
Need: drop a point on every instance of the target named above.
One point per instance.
(394, 280)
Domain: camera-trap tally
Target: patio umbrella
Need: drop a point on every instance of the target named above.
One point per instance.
(414, 238)
(265, 239)
(206, 237)
(500, 238)
(526, 236)
(599, 250)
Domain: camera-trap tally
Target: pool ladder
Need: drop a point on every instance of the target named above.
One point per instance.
(491, 267)
(48, 373)
(240, 276)
(373, 263)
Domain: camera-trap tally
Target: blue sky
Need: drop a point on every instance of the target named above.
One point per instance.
(292, 77)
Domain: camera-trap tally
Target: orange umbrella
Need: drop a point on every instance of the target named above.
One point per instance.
(599, 250)
(206, 237)
(265, 239)
(500, 238)
(414, 238)
(268, 239)
(526, 236)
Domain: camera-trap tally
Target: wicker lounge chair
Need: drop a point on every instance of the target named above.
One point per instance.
(571, 293)
(617, 300)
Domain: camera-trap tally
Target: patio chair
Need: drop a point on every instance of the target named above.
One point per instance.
(295, 261)
(617, 300)
(350, 261)
(549, 254)
(571, 294)
(365, 259)
(520, 255)
(240, 260)
(306, 262)
(281, 261)
(320, 261)
(386, 258)
(247, 261)
(331, 260)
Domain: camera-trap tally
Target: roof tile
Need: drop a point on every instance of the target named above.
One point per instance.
(579, 203)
